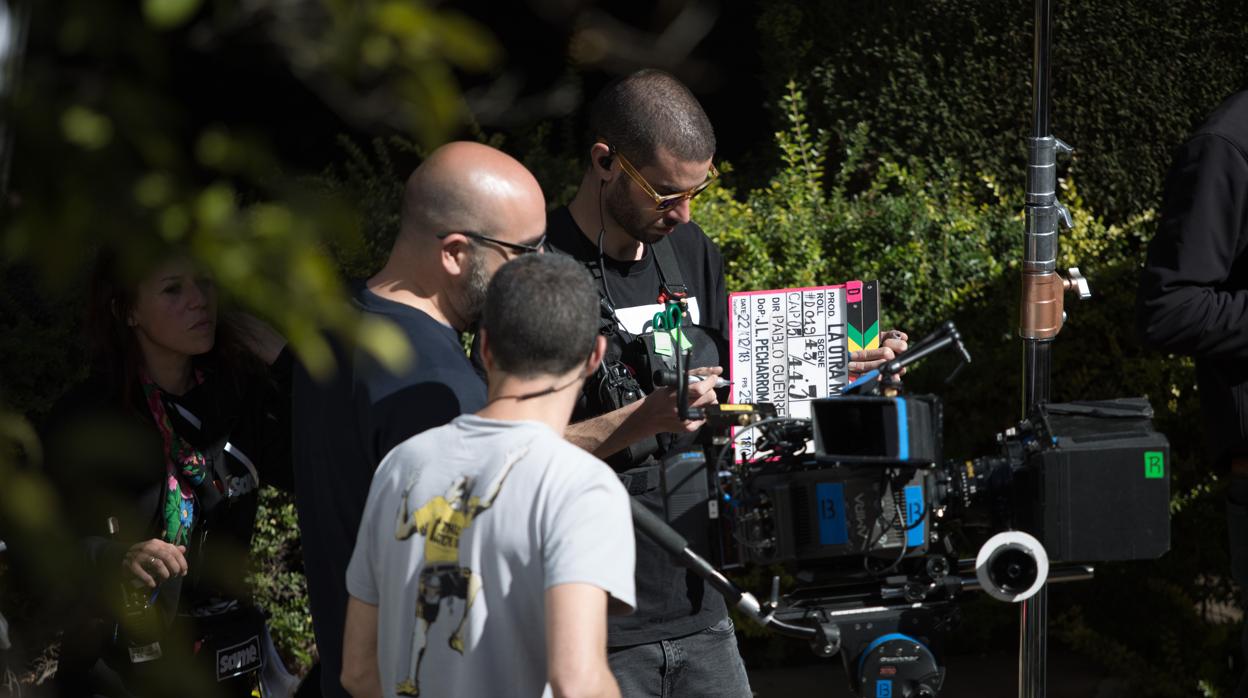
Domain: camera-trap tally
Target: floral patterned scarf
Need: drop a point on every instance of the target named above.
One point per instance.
(185, 468)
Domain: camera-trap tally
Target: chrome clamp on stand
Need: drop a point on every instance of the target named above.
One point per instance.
(1041, 313)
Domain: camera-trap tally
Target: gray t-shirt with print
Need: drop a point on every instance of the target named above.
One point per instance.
(466, 527)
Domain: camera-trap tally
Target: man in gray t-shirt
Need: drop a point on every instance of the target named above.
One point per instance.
(490, 548)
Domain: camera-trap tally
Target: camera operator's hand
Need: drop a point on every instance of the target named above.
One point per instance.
(658, 409)
(862, 361)
(154, 561)
(655, 413)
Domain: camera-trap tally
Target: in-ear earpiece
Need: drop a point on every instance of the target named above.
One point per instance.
(605, 162)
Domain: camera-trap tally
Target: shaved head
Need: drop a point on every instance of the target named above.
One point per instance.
(467, 209)
(465, 186)
(650, 111)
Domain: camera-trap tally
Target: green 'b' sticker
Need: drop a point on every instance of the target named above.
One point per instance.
(1154, 464)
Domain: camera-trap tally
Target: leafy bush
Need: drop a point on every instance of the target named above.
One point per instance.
(166, 136)
(936, 241)
(278, 582)
(950, 80)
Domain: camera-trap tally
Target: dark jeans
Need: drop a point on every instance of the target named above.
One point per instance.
(1237, 528)
(705, 663)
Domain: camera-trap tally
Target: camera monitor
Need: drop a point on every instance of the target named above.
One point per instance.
(877, 430)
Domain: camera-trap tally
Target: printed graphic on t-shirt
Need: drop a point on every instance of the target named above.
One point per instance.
(442, 521)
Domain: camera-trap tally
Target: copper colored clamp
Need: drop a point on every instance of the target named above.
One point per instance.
(1041, 316)
(1042, 311)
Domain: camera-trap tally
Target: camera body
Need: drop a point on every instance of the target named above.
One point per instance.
(860, 505)
(866, 490)
(1086, 479)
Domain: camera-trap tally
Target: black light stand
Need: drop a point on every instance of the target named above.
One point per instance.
(1041, 313)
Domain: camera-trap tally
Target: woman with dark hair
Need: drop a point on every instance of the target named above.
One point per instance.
(159, 455)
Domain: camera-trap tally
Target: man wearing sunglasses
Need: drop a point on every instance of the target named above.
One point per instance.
(650, 154)
(466, 210)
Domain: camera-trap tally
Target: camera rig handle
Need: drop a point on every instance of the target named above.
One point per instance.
(886, 376)
(762, 613)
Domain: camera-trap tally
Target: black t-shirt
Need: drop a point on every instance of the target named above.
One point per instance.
(344, 427)
(671, 601)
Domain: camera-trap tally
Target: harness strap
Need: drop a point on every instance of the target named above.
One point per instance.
(673, 284)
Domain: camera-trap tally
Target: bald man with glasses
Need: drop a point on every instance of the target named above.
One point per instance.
(466, 211)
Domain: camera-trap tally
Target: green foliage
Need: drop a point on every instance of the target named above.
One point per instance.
(950, 81)
(128, 165)
(169, 13)
(937, 242)
(373, 181)
(40, 561)
(278, 582)
(551, 153)
(120, 144)
(32, 321)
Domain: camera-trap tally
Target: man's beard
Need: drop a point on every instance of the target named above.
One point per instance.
(638, 223)
(475, 287)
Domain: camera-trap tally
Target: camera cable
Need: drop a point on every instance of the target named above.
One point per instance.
(602, 262)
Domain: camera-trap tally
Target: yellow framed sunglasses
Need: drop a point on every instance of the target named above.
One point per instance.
(662, 202)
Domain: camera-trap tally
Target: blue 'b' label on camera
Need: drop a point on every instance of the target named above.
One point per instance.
(914, 514)
(883, 688)
(830, 498)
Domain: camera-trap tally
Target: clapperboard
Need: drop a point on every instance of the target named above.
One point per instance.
(791, 346)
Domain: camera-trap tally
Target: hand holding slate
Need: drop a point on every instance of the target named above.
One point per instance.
(862, 361)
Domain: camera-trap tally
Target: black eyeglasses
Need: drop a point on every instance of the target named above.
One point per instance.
(518, 248)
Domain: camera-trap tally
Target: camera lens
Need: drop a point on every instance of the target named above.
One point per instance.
(1013, 569)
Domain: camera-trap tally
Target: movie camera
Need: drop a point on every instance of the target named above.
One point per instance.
(860, 505)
